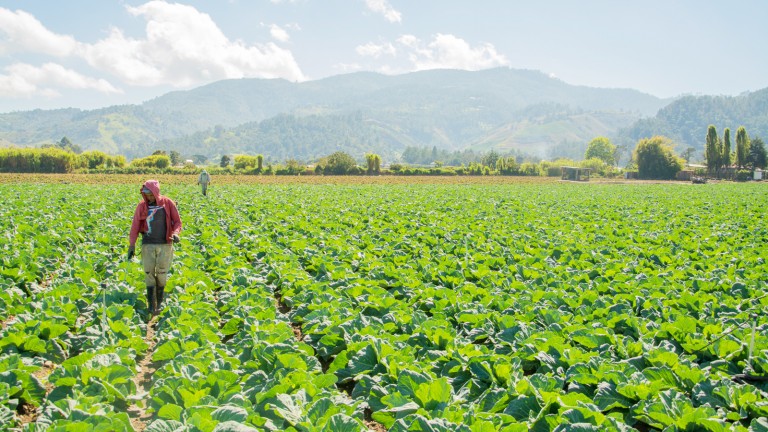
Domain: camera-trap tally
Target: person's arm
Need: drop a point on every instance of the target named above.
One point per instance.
(134, 234)
(175, 219)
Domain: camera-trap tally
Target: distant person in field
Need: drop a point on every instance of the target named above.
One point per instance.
(203, 181)
(157, 220)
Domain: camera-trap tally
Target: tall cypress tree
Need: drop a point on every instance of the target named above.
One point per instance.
(726, 156)
(711, 151)
(742, 147)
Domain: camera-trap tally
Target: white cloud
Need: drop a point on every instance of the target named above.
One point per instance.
(385, 9)
(278, 33)
(182, 47)
(450, 52)
(408, 40)
(24, 80)
(376, 50)
(25, 33)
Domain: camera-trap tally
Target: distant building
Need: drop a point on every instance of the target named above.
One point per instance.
(684, 175)
(575, 173)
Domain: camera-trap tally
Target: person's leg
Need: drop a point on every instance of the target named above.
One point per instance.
(164, 259)
(149, 262)
(205, 188)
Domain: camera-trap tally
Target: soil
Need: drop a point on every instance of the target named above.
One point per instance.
(297, 331)
(43, 373)
(371, 424)
(140, 418)
(279, 303)
(27, 413)
(376, 427)
(7, 321)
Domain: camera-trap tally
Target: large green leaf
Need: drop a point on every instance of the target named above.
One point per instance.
(166, 426)
(343, 423)
(523, 408)
(607, 398)
(232, 426)
(230, 413)
(170, 412)
(289, 408)
(435, 394)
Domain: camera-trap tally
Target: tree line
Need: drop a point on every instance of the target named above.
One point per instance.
(652, 158)
(60, 157)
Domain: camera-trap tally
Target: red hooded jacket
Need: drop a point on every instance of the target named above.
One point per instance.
(172, 219)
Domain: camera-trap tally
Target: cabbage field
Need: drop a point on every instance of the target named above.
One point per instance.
(403, 307)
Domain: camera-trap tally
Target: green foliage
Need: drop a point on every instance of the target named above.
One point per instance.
(688, 154)
(339, 163)
(44, 160)
(64, 144)
(725, 153)
(742, 147)
(507, 166)
(554, 168)
(425, 156)
(712, 151)
(656, 160)
(292, 167)
(490, 159)
(96, 160)
(743, 175)
(757, 154)
(246, 162)
(175, 158)
(373, 161)
(466, 307)
(601, 148)
(159, 160)
(597, 165)
(529, 169)
(225, 161)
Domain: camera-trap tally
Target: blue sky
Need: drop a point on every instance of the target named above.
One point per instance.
(94, 53)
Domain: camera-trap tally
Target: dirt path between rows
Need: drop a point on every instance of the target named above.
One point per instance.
(145, 369)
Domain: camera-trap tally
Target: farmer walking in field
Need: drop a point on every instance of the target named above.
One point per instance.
(157, 219)
(203, 181)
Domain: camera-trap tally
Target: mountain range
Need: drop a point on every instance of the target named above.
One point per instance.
(506, 110)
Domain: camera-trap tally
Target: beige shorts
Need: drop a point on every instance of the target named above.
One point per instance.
(156, 259)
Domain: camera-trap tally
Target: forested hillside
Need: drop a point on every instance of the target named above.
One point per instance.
(686, 119)
(502, 109)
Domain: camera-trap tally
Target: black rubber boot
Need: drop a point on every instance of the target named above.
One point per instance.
(151, 300)
(160, 293)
